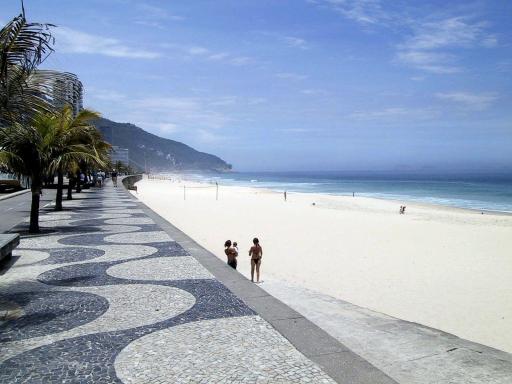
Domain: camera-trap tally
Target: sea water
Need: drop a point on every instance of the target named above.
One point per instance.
(489, 192)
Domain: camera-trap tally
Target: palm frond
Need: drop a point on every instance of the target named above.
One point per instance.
(24, 44)
(26, 94)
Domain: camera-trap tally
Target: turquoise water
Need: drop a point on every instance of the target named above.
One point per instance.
(478, 191)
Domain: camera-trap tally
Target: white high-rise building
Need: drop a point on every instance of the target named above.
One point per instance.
(68, 90)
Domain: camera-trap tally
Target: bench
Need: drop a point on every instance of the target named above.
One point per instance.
(10, 185)
(8, 242)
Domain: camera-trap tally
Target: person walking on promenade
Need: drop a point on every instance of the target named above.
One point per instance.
(114, 177)
(256, 253)
(231, 253)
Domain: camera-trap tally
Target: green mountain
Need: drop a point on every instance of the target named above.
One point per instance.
(157, 153)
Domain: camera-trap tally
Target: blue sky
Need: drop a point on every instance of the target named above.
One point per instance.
(299, 84)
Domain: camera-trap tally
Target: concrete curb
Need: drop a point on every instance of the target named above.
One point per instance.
(14, 194)
(340, 363)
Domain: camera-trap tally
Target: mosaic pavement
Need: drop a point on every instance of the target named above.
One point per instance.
(106, 296)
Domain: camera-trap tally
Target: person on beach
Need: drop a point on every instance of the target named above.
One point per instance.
(285, 196)
(235, 245)
(231, 253)
(256, 253)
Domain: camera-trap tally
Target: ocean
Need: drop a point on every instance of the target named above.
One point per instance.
(483, 192)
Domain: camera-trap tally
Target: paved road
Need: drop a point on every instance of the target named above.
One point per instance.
(111, 297)
(16, 209)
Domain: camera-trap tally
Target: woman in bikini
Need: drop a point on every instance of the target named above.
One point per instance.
(256, 253)
(231, 253)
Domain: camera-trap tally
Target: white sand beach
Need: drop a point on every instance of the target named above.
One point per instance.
(446, 268)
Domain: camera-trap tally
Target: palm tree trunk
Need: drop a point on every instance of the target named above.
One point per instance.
(34, 209)
(60, 187)
(78, 183)
(71, 180)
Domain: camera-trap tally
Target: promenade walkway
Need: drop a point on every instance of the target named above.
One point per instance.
(106, 296)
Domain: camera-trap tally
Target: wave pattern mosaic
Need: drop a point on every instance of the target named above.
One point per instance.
(106, 296)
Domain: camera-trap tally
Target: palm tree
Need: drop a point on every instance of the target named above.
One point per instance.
(53, 143)
(77, 142)
(25, 90)
(24, 150)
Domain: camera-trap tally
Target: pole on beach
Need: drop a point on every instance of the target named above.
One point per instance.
(184, 192)
(217, 191)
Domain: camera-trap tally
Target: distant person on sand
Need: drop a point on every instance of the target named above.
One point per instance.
(231, 253)
(114, 177)
(256, 253)
(284, 195)
(402, 209)
(235, 246)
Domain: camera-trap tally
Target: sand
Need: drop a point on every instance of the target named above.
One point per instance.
(446, 268)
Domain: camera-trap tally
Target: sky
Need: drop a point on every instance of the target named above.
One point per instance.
(298, 84)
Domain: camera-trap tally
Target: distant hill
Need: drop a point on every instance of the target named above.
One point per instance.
(160, 154)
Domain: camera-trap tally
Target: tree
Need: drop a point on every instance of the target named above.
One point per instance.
(53, 143)
(28, 142)
(24, 150)
(25, 90)
(75, 141)
(122, 168)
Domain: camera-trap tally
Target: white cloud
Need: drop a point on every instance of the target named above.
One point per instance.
(313, 92)
(148, 23)
(162, 127)
(199, 51)
(241, 60)
(429, 61)
(470, 100)
(429, 39)
(105, 95)
(157, 13)
(295, 130)
(365, 12)
(426, 49)
(224, 101)
(185, 113)
(451, 32)
(73, 41)
(257, 101)
(207, 136)
(290, 76)
(395, 113)
(218, 56)
(230, 59)
(170, 103)
(296, 42)
(167, 127)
